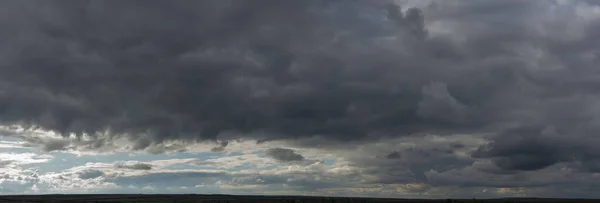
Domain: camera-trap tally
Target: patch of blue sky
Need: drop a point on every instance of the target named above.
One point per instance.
(17, 150)
(272, 166)
(183, 166)
(260, 153)
(11, 144)
(328, 162)
(64, 160)
(61, 161)
(182, 155)
(8, 138)
(244, 166)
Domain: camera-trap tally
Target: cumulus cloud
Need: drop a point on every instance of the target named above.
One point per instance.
(24, 158)
(17, 173)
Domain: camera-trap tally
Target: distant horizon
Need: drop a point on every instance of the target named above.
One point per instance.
(283, 195)
(309, 196)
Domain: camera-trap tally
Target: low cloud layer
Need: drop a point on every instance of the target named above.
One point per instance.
(406, 94)
(437, 169)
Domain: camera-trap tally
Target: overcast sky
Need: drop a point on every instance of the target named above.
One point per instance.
(385, 98)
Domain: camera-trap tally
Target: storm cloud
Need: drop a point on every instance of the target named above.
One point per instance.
(317, 75)
(344, 70)
(192, 70)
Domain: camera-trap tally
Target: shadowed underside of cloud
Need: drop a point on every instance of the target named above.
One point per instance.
(284, 155)
(314, 74)
(136, 166)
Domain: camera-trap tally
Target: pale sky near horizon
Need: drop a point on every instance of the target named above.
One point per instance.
(378, 98)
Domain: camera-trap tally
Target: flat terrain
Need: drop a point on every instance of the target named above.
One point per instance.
(241, 199)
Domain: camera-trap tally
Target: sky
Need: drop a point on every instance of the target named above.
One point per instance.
(385, 98)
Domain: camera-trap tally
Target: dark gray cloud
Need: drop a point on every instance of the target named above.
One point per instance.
(45, 143)
(136, 166)
(321, 74)
(192, 70)
(408, 164)
(284, 155)
(221, 147)
(535, 147)
(343, 70)
(88, 174)
(393, 155)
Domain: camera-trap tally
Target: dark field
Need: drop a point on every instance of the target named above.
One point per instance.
(243, 199)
